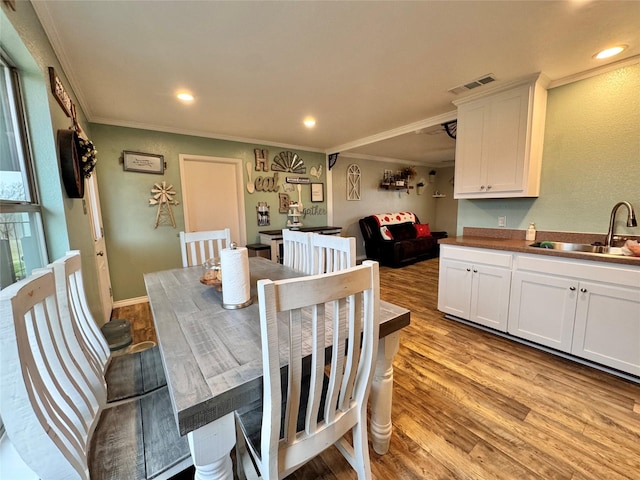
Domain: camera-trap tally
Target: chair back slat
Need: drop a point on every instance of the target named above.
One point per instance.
(48, 409)
(331, 253)
(338, 313)
(88, 345)
(198, 247)
(297, 251)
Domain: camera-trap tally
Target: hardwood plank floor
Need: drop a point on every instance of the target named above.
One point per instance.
(471, 405)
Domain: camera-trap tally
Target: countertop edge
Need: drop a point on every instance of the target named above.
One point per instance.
(522, 246)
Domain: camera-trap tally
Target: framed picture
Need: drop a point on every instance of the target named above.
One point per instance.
(143, 162)
(317, 192)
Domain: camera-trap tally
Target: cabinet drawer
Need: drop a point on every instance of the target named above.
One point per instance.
(583, 270)
(476, 255)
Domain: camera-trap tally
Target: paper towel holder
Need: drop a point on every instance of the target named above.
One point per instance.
(236, 306)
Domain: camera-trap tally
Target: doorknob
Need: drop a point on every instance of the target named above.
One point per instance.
(100, 253)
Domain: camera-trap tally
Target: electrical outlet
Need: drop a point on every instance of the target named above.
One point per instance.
(502, 221)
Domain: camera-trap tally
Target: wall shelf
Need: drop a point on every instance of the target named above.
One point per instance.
(396, 187)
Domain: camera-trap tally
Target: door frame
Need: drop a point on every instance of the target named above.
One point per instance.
(239, 169)
(99, 247)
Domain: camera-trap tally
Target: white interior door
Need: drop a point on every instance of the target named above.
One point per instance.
(213, 195)
(99, 247)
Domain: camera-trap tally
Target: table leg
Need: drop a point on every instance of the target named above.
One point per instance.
(381, 393)
(211, 446)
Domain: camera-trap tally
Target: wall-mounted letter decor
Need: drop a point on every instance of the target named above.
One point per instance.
(283, 203)
(267, 184)
(353, 182)
(262, 160)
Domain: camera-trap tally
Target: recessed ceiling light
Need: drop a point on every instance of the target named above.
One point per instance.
(309, 122)
(609, 52)
(185, 97)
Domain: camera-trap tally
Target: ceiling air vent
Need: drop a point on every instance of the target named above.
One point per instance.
(478, 82)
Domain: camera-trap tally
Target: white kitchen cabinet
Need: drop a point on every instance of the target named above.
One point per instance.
(474, 285)
(607, 326)
(499, 141)
(542, 308)
(588, 309)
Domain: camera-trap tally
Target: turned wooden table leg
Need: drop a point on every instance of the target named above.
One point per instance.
(211, 448)
(381, 393)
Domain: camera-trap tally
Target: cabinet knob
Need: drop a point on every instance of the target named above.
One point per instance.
(468, 269)
(475, 271)
(481, 187)
(488, 187)
(583, 290)
(573, 289)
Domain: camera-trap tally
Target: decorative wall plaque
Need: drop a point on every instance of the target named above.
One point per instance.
(60, 93)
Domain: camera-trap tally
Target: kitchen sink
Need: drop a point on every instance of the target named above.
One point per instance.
(578, 247)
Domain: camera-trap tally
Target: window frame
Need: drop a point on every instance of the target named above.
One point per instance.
(31, 205)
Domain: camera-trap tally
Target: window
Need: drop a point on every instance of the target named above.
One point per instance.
(22, 246)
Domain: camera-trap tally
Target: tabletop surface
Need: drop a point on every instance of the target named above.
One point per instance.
(212, 356)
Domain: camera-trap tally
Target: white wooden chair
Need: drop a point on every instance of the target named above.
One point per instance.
(198, 247)
(53, 418)
(297, 250)
(332, 253)
(126, 376)
(284, 433)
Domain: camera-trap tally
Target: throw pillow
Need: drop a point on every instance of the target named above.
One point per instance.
(422, 230)
(386, 234)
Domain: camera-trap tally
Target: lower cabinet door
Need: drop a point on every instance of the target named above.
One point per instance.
(490, 296)
(607, 326)
(542, 309)
(454, 288)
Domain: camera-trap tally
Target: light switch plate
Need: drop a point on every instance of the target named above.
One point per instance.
(502, 221)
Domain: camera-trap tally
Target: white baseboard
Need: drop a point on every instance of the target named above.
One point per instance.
(130, 301)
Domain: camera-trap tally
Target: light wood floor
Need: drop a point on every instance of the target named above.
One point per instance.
(471, 405)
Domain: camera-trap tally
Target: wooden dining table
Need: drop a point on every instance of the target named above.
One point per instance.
(213, 363)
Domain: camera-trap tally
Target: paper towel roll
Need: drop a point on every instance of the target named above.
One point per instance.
(236, 290)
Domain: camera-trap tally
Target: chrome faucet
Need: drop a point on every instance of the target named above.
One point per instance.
(631, 220)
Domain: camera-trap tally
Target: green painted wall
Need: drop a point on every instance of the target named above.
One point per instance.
(66, 224)
(134, 246)
(591, 160)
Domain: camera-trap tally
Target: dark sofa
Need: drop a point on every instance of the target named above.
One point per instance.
(405, 247)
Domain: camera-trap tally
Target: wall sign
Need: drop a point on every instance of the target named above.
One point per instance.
(143, 162)
(317, 192)
(60, 93)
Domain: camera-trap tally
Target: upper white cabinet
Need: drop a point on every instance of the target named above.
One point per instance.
(499, 141)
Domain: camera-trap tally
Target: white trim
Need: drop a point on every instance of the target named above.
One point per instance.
(202, 134)
(537, 78)
(411, 127)
(627, 62)
(127, 302)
